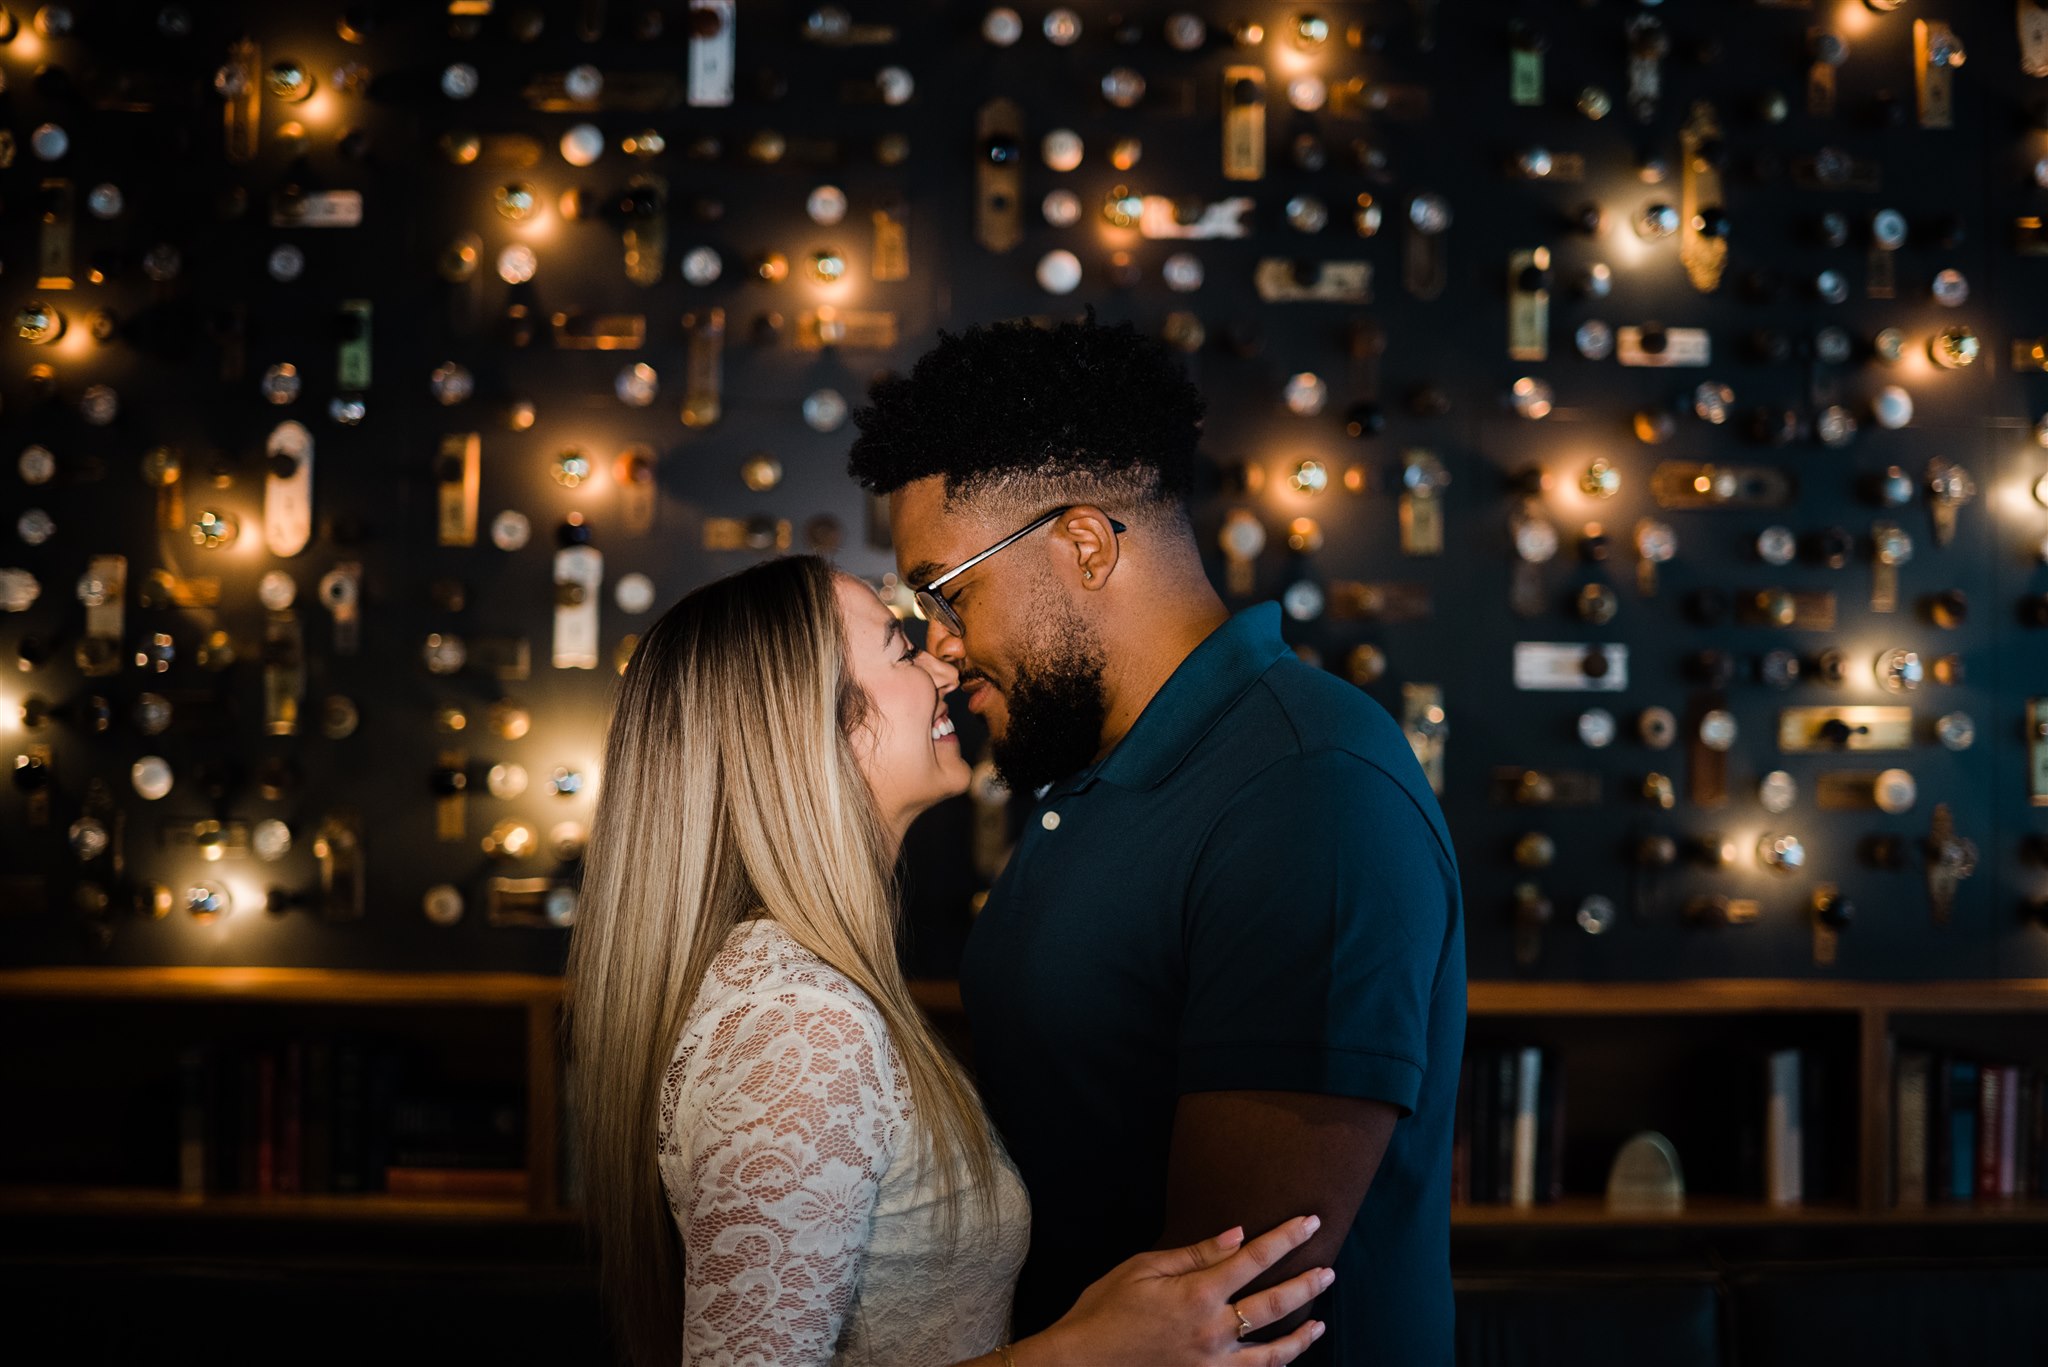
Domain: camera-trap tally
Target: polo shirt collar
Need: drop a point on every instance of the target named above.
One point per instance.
(1191, 701)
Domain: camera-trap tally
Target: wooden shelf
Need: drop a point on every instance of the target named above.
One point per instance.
(1580, 1212)
(340, 986)
(1721, 995)
(148, 1201)
(1990, 1212)
(1583, 1212)
(1707, 996)
(1697, 996)
(1587, 1211)
(1872, 1009)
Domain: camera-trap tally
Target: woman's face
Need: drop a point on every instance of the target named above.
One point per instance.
(907, 749)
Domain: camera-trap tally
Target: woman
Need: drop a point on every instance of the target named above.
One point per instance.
(782, 1164)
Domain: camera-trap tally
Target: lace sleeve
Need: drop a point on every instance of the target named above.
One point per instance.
(782, 1141)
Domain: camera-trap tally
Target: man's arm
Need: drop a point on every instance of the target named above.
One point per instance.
(1258, 1158)
(1310, 980)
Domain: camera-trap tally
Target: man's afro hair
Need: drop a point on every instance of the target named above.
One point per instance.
(1013, 398)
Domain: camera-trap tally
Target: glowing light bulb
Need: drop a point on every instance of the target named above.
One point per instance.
(290, 81)
(1059, 272)
(517, 263)
(214, 530)
(208, 901)
(1062, 149)
(1532, 397)
(572, 466)
(516, 201)
(582, 144)
(39, 322)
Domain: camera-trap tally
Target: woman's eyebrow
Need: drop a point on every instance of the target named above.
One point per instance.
(895, 630)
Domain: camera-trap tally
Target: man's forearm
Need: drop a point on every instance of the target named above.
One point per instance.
(1259, 1158)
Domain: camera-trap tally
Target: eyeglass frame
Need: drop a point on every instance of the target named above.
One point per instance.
(939, 608)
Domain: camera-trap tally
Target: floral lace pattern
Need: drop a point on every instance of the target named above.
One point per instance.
(797, 1170)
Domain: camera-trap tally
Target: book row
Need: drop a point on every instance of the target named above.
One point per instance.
(302, 1116)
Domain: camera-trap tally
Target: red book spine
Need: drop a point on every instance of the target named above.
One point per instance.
(1988, 1104)
(291, 1103)
(266, 1123)
(2008, 1131)
(2034, 1126)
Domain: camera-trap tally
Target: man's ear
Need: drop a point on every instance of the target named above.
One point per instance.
(1085, 545)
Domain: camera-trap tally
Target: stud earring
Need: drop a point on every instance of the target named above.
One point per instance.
(1087, 574)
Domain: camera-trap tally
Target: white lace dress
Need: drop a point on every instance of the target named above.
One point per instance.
(795, 1167)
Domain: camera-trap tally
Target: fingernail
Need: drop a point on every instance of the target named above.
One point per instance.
(1324, 1279)
(1313, 1223)
(1316, 1332)
(1231, 1238)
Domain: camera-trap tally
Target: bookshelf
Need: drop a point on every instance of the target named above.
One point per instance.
(503, 1027)
(1863, 1021)
(1853, 1022)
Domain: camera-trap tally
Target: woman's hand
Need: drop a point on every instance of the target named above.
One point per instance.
(1174, 1308)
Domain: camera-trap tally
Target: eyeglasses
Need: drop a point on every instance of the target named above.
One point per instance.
(939, 608)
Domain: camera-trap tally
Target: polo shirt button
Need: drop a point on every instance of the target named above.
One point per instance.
(1051, 821)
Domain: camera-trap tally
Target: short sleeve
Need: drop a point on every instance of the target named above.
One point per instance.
(1320, 909)
(783, 1138)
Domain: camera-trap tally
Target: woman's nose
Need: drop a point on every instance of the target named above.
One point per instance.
(943, 674)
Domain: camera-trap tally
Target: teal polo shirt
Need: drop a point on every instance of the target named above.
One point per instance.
(1254, 891)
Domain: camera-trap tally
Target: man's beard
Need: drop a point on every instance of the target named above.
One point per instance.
(1056, 707)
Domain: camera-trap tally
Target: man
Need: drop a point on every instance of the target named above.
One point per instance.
(1222, 980)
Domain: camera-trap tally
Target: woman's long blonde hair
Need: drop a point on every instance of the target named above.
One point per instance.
(730, 787)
